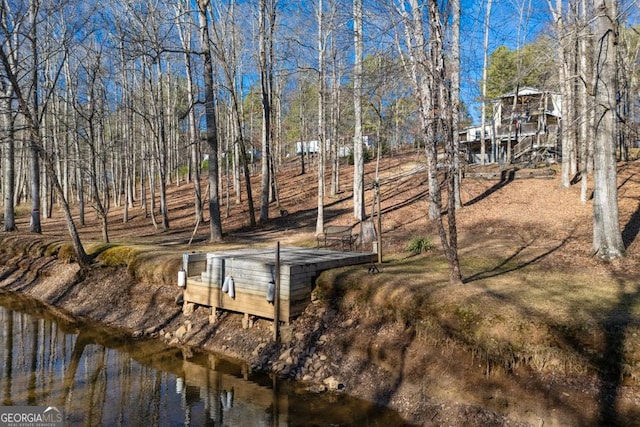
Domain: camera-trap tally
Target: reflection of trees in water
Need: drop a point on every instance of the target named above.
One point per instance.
(99, 379)
(6, 317)
(42, 364)
(31, 355)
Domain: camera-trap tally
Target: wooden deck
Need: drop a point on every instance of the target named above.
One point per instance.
(253, 273)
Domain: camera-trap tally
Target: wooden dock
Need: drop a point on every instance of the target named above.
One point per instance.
(244, 280)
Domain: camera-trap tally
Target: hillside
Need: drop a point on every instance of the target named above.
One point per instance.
(541, 332)
(514, 211)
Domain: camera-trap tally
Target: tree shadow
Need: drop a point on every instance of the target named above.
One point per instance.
(611, 363)
(506, 177)
(627, 179)
(498, 270)
(631, 228)
(452, 342)
(96, 252)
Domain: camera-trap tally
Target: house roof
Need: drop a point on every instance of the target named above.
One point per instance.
(524, 91)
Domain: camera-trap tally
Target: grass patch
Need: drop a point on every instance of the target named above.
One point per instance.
(156, 267)
(142, 263)
(117, 255)
(66, 253)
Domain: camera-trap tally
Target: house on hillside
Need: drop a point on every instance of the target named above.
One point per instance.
(525, 127)
(344, 148)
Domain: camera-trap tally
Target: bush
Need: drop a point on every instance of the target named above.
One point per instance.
(418, 245)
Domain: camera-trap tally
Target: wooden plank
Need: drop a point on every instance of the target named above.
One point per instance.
(244, 275)
(292, 294)
(261, 288)
(259, 283)
(256, 305)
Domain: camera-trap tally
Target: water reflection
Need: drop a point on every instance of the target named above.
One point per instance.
(104, 379)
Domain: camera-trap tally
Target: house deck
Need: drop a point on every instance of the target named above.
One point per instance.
(243, 280)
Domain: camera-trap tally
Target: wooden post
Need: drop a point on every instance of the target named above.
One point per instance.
(276, 300)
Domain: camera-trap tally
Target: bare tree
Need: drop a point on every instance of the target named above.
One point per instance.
(7, 140)
(607, 237)
(127, 132)
(428, 73)
(454, 163)
(584, 108)
(418, 59)
(215, 224)
(91, 115)
(485, 64)
(228, 59)
(358, 156)
(321, 122)
(28, 104)
(445, 106)
(33, 128)
(147, 33)
(34, 225)
(335, 116)
(266, 28)
(565, 90)
(184, 30)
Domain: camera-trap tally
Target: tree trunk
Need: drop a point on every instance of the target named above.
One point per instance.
(321, 132)
(485, 65)
(607, 238)
(586, 137)
(561, 54)
(358, 155)
(446, 109)
(80, 182)
(335, 130)
(162, 155)
(151, 170)
(265, 95)
(9, 164)
(34, 225)
(215, 222)
(455, 108)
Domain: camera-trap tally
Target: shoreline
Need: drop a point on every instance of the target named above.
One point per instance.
(326, 348)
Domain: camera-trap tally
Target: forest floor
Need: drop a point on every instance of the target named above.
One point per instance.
(541, 332)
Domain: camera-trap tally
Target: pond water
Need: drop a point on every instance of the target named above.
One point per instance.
(97, 377)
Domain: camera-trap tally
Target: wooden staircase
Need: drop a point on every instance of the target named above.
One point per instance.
(522, 148)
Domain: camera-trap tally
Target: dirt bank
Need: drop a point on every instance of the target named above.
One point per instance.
(428, 380)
